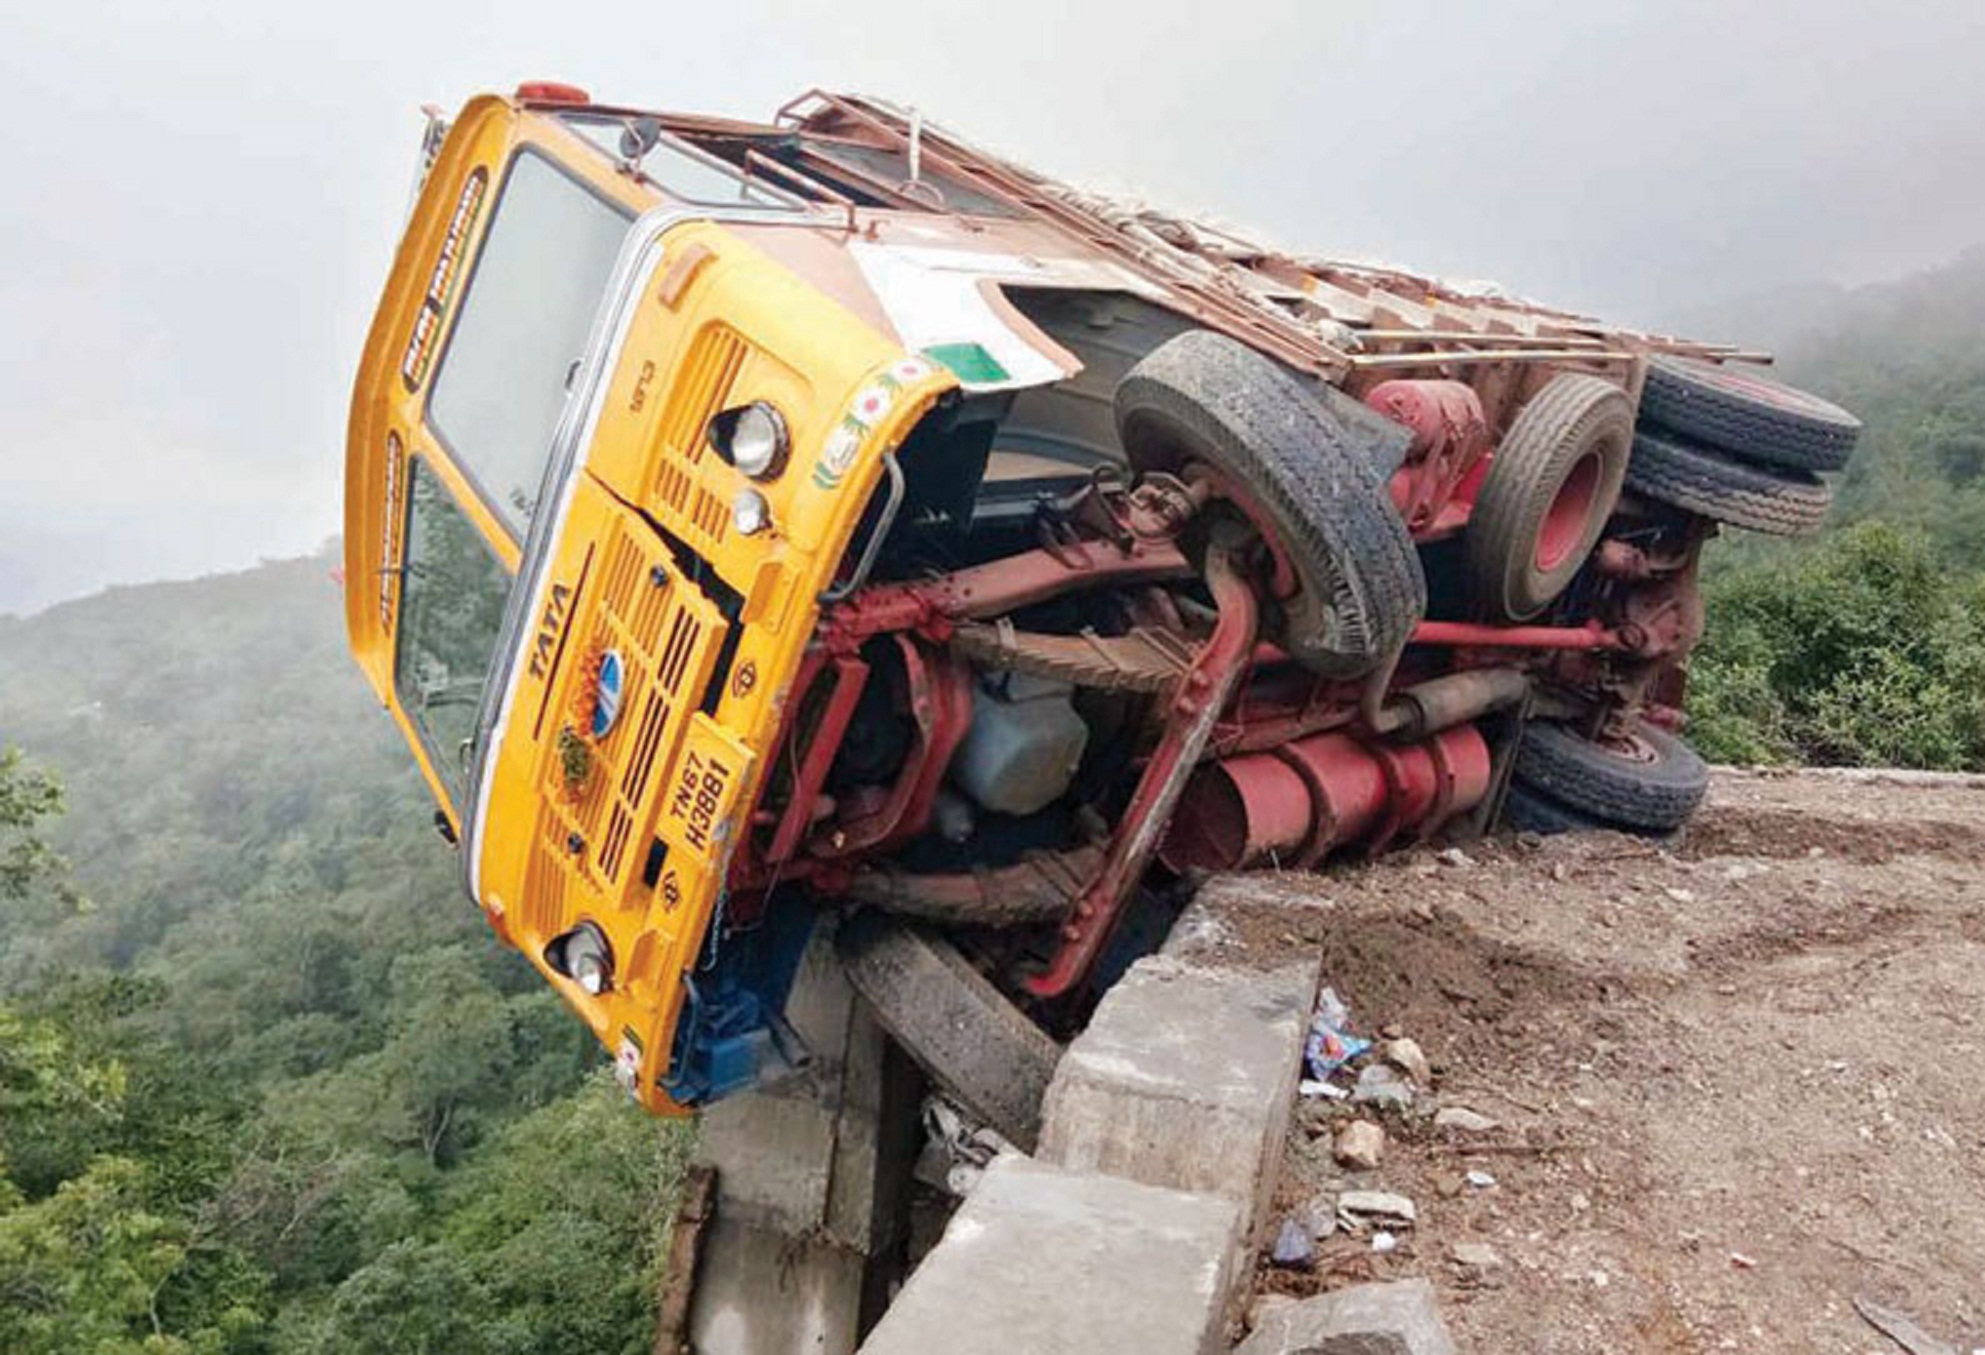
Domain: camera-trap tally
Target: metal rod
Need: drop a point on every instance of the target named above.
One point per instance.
(836, 592)
(1475, 356)
(1473, 336)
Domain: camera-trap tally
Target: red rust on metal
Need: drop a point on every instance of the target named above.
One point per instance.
(990, 590)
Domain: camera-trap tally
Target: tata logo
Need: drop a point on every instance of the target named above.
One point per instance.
(606, 700)
(545, 645)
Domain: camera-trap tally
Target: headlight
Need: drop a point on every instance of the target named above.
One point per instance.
(583, 956)
(750, 513)
(753, 438)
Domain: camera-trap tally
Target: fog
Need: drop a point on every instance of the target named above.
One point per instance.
(198, 207)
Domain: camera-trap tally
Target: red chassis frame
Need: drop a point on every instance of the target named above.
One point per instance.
(1233, 702)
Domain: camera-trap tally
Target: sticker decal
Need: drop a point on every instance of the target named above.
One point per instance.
(744, 679)
(838, 456)
(627, 1062)
(873, 403)
(389, 527)
(441, 283)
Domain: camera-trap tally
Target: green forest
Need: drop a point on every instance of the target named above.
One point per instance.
(268, 1085)
(1866, 646)
(266, 1082)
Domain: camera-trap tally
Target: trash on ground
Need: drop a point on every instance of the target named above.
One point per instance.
(1743, 1262)
(1380, 1084)
(1331, 1044)
(1383, 1241)
(1294, 1248)
(1481, 1180)
(1310, 1086)
(956, 1148)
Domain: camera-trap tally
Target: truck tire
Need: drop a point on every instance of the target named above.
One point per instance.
(1651, 786)
(1309, 462)
(960, 1029)
(1552, 484)
(1529, 812)
(1721, 488)
(1742, 411)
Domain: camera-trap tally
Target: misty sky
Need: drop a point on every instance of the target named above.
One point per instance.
(198, 208)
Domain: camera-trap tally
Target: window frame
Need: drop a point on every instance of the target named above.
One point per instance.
(449, 768)
(499, 510)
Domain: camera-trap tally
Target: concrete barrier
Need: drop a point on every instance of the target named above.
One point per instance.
(1053, 1262)
(1185, 1078)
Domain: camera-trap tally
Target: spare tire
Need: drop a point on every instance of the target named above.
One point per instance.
(1723, 489)
(958, 1027)
(1745, 412)
(1305, 463)
(1528, 811)
(1551, 486)
(1651, 783)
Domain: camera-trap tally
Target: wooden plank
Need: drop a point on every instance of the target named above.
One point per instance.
(699, 1190)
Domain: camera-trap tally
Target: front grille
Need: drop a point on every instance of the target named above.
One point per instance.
(660, 626)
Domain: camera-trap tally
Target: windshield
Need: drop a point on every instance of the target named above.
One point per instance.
(522, 330)
(451, 608)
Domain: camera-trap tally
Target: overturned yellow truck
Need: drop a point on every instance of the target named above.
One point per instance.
(749, 524)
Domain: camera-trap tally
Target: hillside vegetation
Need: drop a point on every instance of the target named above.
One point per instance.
(273, 1087)
(1867, 646)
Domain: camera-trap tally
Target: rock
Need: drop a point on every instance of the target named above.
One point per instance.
(1320, 1215)
(1365, 1319)
(1294, 1248)
(1266, 1307)
(1462, 1118)
(1475, 1255)
(1379, 1206)
(1407, 1055)
(1455, 857)
(1481, 1180)
(1448, 1186)
(1380, 1084)
(1359, 1145)
(1383, 1241)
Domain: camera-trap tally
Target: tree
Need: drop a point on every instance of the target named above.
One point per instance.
(28, 796)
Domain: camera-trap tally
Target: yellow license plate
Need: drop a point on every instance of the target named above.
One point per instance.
(696, 815)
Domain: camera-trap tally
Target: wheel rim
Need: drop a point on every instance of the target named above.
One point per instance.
(1630, 747)
(1563, 529)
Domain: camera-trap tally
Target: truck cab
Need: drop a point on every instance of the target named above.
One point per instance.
(590, 587)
